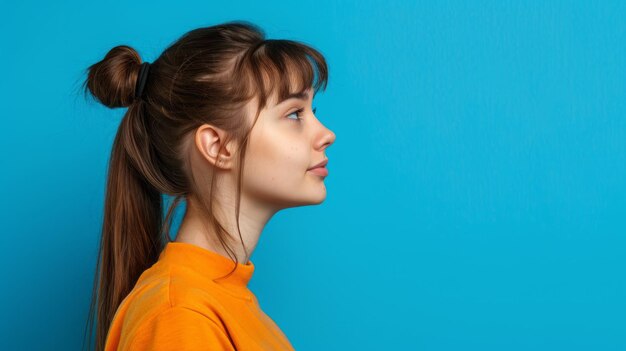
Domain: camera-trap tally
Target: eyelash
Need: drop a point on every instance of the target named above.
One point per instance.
(298, 112)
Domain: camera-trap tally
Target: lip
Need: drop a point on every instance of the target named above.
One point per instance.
(320, 165)
(322, 171)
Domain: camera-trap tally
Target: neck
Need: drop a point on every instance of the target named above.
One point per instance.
(196, 229)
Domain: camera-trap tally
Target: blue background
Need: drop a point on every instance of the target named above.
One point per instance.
(477, 188)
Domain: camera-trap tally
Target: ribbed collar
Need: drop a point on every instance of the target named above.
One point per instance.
(210, 264)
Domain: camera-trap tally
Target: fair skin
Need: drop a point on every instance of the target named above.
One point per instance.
(281, 150)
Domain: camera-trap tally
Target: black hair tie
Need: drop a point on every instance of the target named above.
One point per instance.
(141, 80)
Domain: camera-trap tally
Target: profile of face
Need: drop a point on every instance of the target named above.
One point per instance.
(285, 143)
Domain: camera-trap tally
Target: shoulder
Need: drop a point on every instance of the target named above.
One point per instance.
(168, 286)
(170, 307)
(165, 292)
(181, 328)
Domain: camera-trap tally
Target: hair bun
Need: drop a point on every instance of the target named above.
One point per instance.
(112, 80)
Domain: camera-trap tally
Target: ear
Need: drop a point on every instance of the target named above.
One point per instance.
(209, 139)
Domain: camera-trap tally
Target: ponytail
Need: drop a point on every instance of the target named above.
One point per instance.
(132, 236)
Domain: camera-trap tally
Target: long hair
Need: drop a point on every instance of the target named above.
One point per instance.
(206, 76)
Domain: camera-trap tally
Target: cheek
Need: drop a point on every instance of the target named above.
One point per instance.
(276, 156)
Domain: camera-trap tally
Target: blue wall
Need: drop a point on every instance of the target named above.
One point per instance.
(477, 188)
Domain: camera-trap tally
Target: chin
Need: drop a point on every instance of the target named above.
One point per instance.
(320, 197)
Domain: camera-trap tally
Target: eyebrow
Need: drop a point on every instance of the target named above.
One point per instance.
(300, 95)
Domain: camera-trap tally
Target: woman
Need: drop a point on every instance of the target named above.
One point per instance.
(217, 99)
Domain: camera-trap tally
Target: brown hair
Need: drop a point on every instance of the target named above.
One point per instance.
(206, 76)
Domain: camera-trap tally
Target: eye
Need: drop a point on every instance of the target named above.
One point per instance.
(298, 112)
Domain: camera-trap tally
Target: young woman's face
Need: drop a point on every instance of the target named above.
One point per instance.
(284, 144)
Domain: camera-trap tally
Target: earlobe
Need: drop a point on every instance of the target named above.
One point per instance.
(209, 140)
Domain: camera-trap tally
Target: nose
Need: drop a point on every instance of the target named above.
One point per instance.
(328, 137)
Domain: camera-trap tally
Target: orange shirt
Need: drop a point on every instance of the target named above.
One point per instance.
(175, 305)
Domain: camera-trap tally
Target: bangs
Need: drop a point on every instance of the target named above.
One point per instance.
(282, 68)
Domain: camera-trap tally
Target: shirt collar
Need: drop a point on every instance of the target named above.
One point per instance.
(210, 264)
